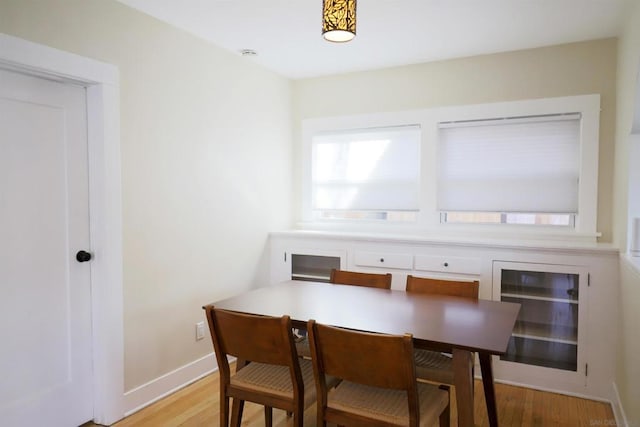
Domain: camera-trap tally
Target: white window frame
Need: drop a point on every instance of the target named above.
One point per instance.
(428, 218)
(589, 108)
(633, 190)
(633, 227)
(311, 127)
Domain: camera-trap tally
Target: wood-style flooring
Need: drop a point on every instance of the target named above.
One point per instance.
(197, 405)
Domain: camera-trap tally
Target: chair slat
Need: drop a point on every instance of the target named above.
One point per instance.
(370, 280)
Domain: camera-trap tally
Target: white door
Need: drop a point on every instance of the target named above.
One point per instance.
(45, 311)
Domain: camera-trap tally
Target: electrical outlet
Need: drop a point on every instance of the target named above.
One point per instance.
(199, 331)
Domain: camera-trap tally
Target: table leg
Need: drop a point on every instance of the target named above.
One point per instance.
(489, 389)
(463, 381)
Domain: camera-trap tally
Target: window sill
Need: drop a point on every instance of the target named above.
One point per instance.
(586, 244)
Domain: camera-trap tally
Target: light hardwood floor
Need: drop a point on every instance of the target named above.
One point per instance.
(197, 405)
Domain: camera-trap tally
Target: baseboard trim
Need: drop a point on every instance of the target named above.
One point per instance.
(618, 409)
(556, 391)
(169, 383)
(161, 387)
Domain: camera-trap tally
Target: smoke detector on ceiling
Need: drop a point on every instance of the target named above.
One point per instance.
(248, 52)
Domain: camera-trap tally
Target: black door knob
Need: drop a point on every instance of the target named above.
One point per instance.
(83, 256)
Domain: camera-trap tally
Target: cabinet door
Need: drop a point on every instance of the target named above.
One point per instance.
(292, 263)
(549, 336)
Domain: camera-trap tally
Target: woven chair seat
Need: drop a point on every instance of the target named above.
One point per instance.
(388, 405)
(276, 380)
(433, 366)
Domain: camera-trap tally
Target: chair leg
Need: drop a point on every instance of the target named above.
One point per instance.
(268, 416)
(445, 416)
(224, 411)
(320, 422)
(298, 416)
(236, 413)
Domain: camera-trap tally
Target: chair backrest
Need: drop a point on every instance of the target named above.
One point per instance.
(369, 280)
(252, 338)
(376, 360)
(459, 288)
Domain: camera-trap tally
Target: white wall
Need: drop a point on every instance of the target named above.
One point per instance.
(206, 155)
(628, 351)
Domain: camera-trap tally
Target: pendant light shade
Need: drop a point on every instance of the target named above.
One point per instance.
(338, 20)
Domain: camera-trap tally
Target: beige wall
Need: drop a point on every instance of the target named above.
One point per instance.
(572, 69)
(628, 360)
(206, 155)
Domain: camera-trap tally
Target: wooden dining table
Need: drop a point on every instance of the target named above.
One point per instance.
(455, 325)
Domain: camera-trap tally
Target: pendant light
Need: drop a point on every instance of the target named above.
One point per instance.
(338, 20)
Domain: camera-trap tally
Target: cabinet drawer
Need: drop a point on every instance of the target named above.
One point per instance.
(384, 260)
(448, 264)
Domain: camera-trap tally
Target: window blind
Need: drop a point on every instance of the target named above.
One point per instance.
(366, 169)
(526, 164)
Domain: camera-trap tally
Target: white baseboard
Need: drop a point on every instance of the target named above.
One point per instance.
(618, 410)
(553, 390)
(171, 382)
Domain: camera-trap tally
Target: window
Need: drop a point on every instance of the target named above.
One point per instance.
(522, 170)
(369, 174)
(566, 220)
(456, 170)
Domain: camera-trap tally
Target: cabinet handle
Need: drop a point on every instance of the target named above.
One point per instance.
(381, 259)
(446, 264)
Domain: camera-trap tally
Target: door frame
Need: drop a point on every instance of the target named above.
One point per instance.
(105, 205)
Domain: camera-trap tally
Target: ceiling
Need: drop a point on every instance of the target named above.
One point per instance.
(286, 34)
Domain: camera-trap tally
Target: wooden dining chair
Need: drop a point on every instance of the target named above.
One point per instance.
(268, 372)
(432, 365)
(369, 280)
(344, 277)
(378, 385)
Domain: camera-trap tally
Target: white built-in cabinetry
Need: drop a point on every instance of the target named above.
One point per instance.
(565, 338)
